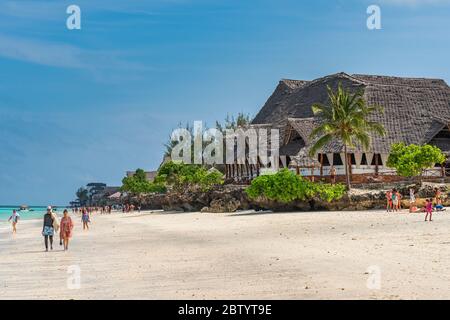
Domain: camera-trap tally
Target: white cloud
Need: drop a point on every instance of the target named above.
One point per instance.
(414, 3)
(44, 53)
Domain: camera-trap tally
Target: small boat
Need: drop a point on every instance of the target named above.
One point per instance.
(23, 208)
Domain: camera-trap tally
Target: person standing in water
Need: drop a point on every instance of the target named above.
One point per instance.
(14, 219)
(47, 229)
(85, 219)
(66, 227)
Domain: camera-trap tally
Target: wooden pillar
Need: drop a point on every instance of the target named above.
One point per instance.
(247, 170)
(349, 163)
(321, 164)
(376, 164)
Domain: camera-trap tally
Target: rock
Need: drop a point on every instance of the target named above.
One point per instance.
(229, 198)
(222, 206)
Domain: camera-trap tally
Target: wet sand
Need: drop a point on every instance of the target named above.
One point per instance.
(313, 255)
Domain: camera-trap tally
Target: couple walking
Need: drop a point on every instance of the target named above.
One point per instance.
(52, 225)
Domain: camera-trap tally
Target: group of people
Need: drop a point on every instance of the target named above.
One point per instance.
(394, 197)
(52, 225)
(90, 210)
(393, 200)
(130, 208)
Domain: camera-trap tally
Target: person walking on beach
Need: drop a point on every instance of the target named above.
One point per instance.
(85, 219)
(66, 227)
(429, 209)
(55, 223)
(47, 229)
(14, 219)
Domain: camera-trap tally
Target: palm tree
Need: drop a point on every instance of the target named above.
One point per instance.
(82, 195)
(346, 118)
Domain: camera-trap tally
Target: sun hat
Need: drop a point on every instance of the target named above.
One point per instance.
(49, 208)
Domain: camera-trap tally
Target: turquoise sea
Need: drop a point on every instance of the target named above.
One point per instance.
(33, 212)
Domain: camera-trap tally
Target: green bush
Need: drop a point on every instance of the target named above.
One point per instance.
(285, 186)
(411, 160)
(180, 176)
(138, 184)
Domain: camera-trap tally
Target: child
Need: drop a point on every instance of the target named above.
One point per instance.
(429, 209)
(85, 219)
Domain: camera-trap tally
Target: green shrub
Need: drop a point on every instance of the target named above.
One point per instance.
(285, 186)
(138, 184)
(411, 160)
(180, 176)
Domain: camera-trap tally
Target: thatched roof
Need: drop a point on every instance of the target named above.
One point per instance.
(303, 160)
(416, 110)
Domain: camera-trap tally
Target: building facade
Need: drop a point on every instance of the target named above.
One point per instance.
(416, 111)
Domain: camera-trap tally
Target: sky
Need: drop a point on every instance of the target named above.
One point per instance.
(79, 106)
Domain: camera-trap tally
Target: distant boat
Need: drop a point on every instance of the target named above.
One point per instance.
(23, 208)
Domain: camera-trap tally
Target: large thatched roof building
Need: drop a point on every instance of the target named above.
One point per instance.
(416, 111)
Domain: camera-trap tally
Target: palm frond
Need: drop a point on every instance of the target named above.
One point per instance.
(319, 144)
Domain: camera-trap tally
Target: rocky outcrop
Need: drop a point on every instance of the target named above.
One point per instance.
(230, 198)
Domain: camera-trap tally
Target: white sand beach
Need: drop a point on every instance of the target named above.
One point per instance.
(313, 255)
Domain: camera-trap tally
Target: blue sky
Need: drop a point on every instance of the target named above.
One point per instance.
(86, 105)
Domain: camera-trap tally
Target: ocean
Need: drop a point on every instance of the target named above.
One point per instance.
(33, 212)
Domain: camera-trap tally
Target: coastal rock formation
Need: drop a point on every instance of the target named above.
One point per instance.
(230, 198)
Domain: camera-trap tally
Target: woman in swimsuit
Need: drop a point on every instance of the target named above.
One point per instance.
(66, 227)
(47, 229)
(14, 219)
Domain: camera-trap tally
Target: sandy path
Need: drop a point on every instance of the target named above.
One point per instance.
(321, 255)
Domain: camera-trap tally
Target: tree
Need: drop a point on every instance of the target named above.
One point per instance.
(82, 195)
(182, 177)
(138, 184)
(345, 118)
(412, 160)
(231, 122)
